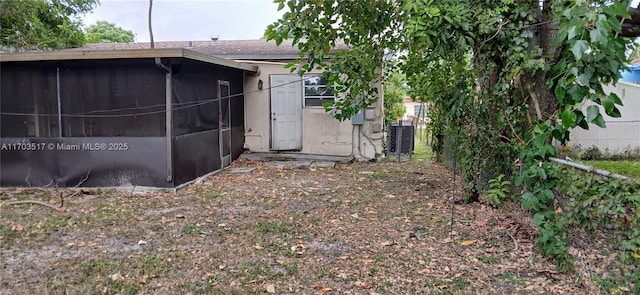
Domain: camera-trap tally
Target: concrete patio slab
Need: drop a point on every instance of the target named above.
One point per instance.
(297, 165)
(288, 164)
(294, 156)
(239, 170)
(276, 164)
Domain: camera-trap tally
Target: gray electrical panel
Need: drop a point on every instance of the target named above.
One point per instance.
(358, 119)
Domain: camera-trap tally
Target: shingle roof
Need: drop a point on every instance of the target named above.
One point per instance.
(230, 49)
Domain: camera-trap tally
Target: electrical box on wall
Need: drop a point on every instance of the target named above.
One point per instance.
(358, 119)
(370, 114)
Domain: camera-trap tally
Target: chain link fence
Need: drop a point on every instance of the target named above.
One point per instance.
(618, 137)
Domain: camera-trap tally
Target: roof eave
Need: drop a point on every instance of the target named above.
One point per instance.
(259, 56)
(124, 54)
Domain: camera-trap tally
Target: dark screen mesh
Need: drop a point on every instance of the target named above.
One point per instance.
(194, 91)
(28, 101)
(118, 100)
(97, 99)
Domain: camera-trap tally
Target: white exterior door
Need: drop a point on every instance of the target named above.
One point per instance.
(286, 112)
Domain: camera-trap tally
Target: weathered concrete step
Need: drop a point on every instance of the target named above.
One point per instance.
(295, 156)
(288, 164)
(239, 170)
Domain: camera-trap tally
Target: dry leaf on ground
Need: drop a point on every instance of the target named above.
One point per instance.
(468, 242)
(270, 288)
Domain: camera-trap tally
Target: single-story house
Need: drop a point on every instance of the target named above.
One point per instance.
(227, 96)
(416, 112)
(283, 111)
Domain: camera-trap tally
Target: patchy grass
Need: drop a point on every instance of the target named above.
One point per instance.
(322, 231)
(422, 151)
(627, 168)
(489, 259)
(211, 195)
(379, 175)
(190, 229)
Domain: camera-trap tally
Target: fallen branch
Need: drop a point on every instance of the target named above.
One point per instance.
(26, 179)
(44, 189)
(71, 195)
(514, 240)
(34, 202)
(82, 180)
(50, 184)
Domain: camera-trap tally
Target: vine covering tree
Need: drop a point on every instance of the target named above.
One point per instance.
(505, 77)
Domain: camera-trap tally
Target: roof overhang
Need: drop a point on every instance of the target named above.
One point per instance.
(259, 56)
(632, 84)
(124, 54)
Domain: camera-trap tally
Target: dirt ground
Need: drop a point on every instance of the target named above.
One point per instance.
(359, 228)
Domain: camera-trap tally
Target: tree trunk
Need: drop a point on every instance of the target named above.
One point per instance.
(542, 100)
(150, 29)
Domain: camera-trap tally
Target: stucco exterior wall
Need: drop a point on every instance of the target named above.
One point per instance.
(409, 111)
(621, 133)
(321, 133)
(257, 109)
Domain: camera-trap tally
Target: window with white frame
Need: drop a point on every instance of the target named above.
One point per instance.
(316, 91)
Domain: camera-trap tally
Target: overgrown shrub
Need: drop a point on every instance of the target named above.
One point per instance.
(499, 190)
(605, 206)
(592, 153)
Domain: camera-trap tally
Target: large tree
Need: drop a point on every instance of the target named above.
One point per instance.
(42, 24)
(498, 67)
(506, 77)
(106, 32)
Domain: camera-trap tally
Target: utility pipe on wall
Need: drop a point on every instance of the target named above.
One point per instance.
(168, 117)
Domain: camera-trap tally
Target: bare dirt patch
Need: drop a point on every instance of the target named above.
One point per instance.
(359, 228)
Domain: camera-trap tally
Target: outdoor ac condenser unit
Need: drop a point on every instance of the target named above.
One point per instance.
(406, 142)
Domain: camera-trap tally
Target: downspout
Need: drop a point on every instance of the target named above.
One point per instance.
(168, 116)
